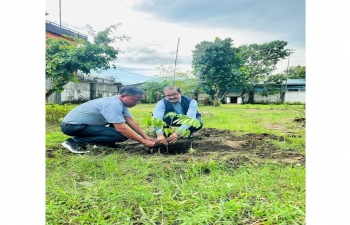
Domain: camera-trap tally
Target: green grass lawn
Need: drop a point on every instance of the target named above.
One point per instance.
(120, 188)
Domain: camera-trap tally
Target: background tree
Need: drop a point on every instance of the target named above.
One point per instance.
(64, 58)
(218, 66)
(259, 61)
(153, 88)
(296, 72)
(273, 84)
(183, 80)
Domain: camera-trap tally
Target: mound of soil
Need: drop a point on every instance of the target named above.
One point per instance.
(211, 143)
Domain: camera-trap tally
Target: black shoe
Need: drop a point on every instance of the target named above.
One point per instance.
(191, 136)
(73, 147)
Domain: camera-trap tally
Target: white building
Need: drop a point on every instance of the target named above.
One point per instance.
(295, 90)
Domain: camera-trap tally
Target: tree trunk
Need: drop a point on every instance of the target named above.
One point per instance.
(282, 96)
(196, 93)
(223, 96)
(251, 97)
(242, 94)
(216, 95)
(48, 94)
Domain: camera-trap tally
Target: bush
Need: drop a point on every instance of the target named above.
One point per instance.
(55, 112)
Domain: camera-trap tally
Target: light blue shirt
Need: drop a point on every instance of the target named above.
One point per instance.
(99, 111)
(159, 110)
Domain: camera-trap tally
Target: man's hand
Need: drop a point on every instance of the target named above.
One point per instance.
(149, 138)
(161, 139)
(173, 138)
(148, 143)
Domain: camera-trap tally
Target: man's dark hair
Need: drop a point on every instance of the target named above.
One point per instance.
(171, 88)
(131, 90)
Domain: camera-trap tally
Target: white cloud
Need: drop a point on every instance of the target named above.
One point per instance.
(154, 36)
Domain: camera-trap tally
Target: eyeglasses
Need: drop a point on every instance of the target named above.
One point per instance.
(172, 95)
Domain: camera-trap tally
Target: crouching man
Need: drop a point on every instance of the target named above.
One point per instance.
(104, 121)
(175, 102)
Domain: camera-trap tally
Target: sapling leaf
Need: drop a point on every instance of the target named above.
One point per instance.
(157, 123)
(184, 133)
(196, 123)
(181, 132)
(187, 133)
(186, 122)
(171, 115)
(180, 116)
(191, 150)
(181, 119)
(148, 121)
(167, 131)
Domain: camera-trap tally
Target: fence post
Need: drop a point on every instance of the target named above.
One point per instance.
(92, 91)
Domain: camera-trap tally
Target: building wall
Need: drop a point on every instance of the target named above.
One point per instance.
(52, 35)
(291, 96)
(75, 92)
(295, 96)
(257, 98)
(276, 98)
(53, 99)
(202, 96)
(81, 92)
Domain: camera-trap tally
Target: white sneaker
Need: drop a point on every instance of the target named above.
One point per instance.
(72, 146)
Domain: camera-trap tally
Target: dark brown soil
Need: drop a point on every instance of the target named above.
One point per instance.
(215, 144)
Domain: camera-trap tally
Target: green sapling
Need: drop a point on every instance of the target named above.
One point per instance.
(181, 119)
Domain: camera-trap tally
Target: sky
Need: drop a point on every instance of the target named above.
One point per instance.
(159, 28)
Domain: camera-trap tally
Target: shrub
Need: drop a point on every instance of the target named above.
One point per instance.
(55, 112)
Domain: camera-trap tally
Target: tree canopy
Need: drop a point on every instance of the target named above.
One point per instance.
(259, 61)
(296, 72)
(65, 58)
(183, 80)
(217, 64)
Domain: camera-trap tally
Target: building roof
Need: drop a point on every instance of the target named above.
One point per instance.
(60, 30)
(291, 82)
(295, 81)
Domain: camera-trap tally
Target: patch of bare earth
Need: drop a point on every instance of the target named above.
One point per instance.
(222, 145)
(214, 144)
